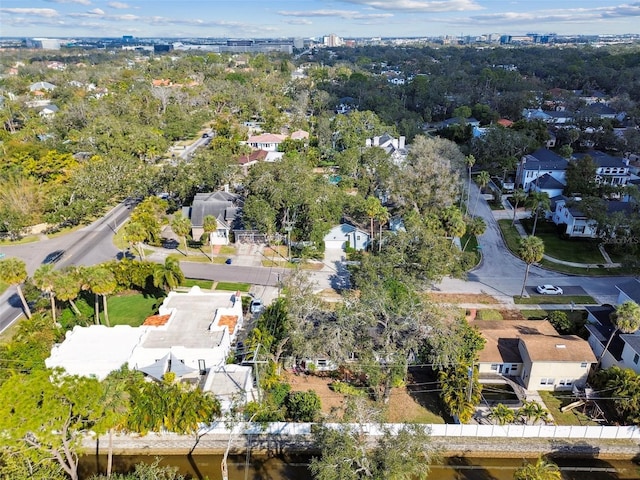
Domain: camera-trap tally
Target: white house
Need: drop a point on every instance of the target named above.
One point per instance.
(609, 170)
(539, 163)
(345, 235)
(266, 141)
(191, 334)
(624, 349)
(232, 385)
(579, 225)
(224, 206)
(534, 353)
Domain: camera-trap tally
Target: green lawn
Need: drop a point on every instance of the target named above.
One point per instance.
(556, 400)
(132, 309)
(233, 286)
(568, 250)
(554, 299)
(510, 234)
(204, 284)
(540, 314)
(488, 314)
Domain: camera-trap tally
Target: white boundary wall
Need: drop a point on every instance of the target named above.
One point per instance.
(440, 430)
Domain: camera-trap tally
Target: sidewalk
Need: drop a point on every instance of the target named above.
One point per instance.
(503, 214)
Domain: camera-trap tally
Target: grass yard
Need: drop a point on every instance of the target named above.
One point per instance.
(132, 309)
(542, 314)
(554, 246)
(488, 314)
(204, 284)
(510, 234)
(556, 400)
(233, 286)
(555, 300)
(570, 250)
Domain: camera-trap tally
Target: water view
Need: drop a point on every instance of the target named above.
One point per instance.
(255, 467)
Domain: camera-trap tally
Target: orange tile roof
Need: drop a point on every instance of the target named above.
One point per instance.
(228, 321)
(156, 320)
(505, 122)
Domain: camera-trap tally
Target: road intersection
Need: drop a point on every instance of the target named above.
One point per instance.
(499, 274)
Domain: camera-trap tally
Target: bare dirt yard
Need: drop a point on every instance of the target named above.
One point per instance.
(455, 298)
(416, 403)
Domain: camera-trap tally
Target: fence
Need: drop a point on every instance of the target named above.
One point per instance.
(446, 430)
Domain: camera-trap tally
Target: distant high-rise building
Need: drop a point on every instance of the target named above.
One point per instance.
(298, 43)
(127, 39)
(44, 43)
(332, 41)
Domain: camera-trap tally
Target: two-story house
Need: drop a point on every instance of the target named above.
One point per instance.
(624, 349)
(224, 206)
(609, 170)
(539, 163)
(534, 354)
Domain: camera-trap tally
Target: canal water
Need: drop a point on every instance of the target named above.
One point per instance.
(295, 467)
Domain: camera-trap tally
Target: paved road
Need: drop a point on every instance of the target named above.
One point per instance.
(501, 273)
(89, 245)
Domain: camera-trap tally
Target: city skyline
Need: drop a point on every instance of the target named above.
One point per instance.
(312, 18)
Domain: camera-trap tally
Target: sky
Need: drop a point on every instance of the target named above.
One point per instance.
(312, 18)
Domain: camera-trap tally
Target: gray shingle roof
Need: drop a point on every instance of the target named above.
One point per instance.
(224, 206)
(602, 159)
(631, 289)
(545, 159)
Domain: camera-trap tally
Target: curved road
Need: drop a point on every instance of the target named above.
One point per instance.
(501, 273)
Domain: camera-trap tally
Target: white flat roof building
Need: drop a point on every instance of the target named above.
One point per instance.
(96, 350)
(195, 328)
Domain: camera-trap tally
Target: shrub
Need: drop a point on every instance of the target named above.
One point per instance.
(346, 389)
(303, 406)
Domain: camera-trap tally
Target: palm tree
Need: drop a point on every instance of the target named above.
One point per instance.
(181, 226)
(135, 233)
(470, 161)
(541, 470)
(372, 207)
(475, 228)
(382, 217)
(14, 272)
(502, 414)
(459, 397)
(532, 411)
(45, 279)
(482, 180)
(89, 276)
(169, 275)
(210, 225)
(626, 319)
(518, 197)
(454, 224)
(67, 287)
(538, 202)
(531, 250)
(104, 284)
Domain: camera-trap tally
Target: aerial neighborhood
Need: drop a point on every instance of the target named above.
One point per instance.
(413, 242)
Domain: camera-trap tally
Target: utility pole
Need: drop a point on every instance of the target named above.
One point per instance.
(470, 385)
(288, 226)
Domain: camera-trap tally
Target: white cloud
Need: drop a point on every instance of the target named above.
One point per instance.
(346, 14)
(119, 5)
(79, 2)
(426, 6)
(36, 12)
(299, 21)
(573, 15)
(96, 11)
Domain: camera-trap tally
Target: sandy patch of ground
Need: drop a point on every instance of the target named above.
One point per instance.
(405, 405)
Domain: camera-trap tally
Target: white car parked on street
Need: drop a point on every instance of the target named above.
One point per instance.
(549, 290)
